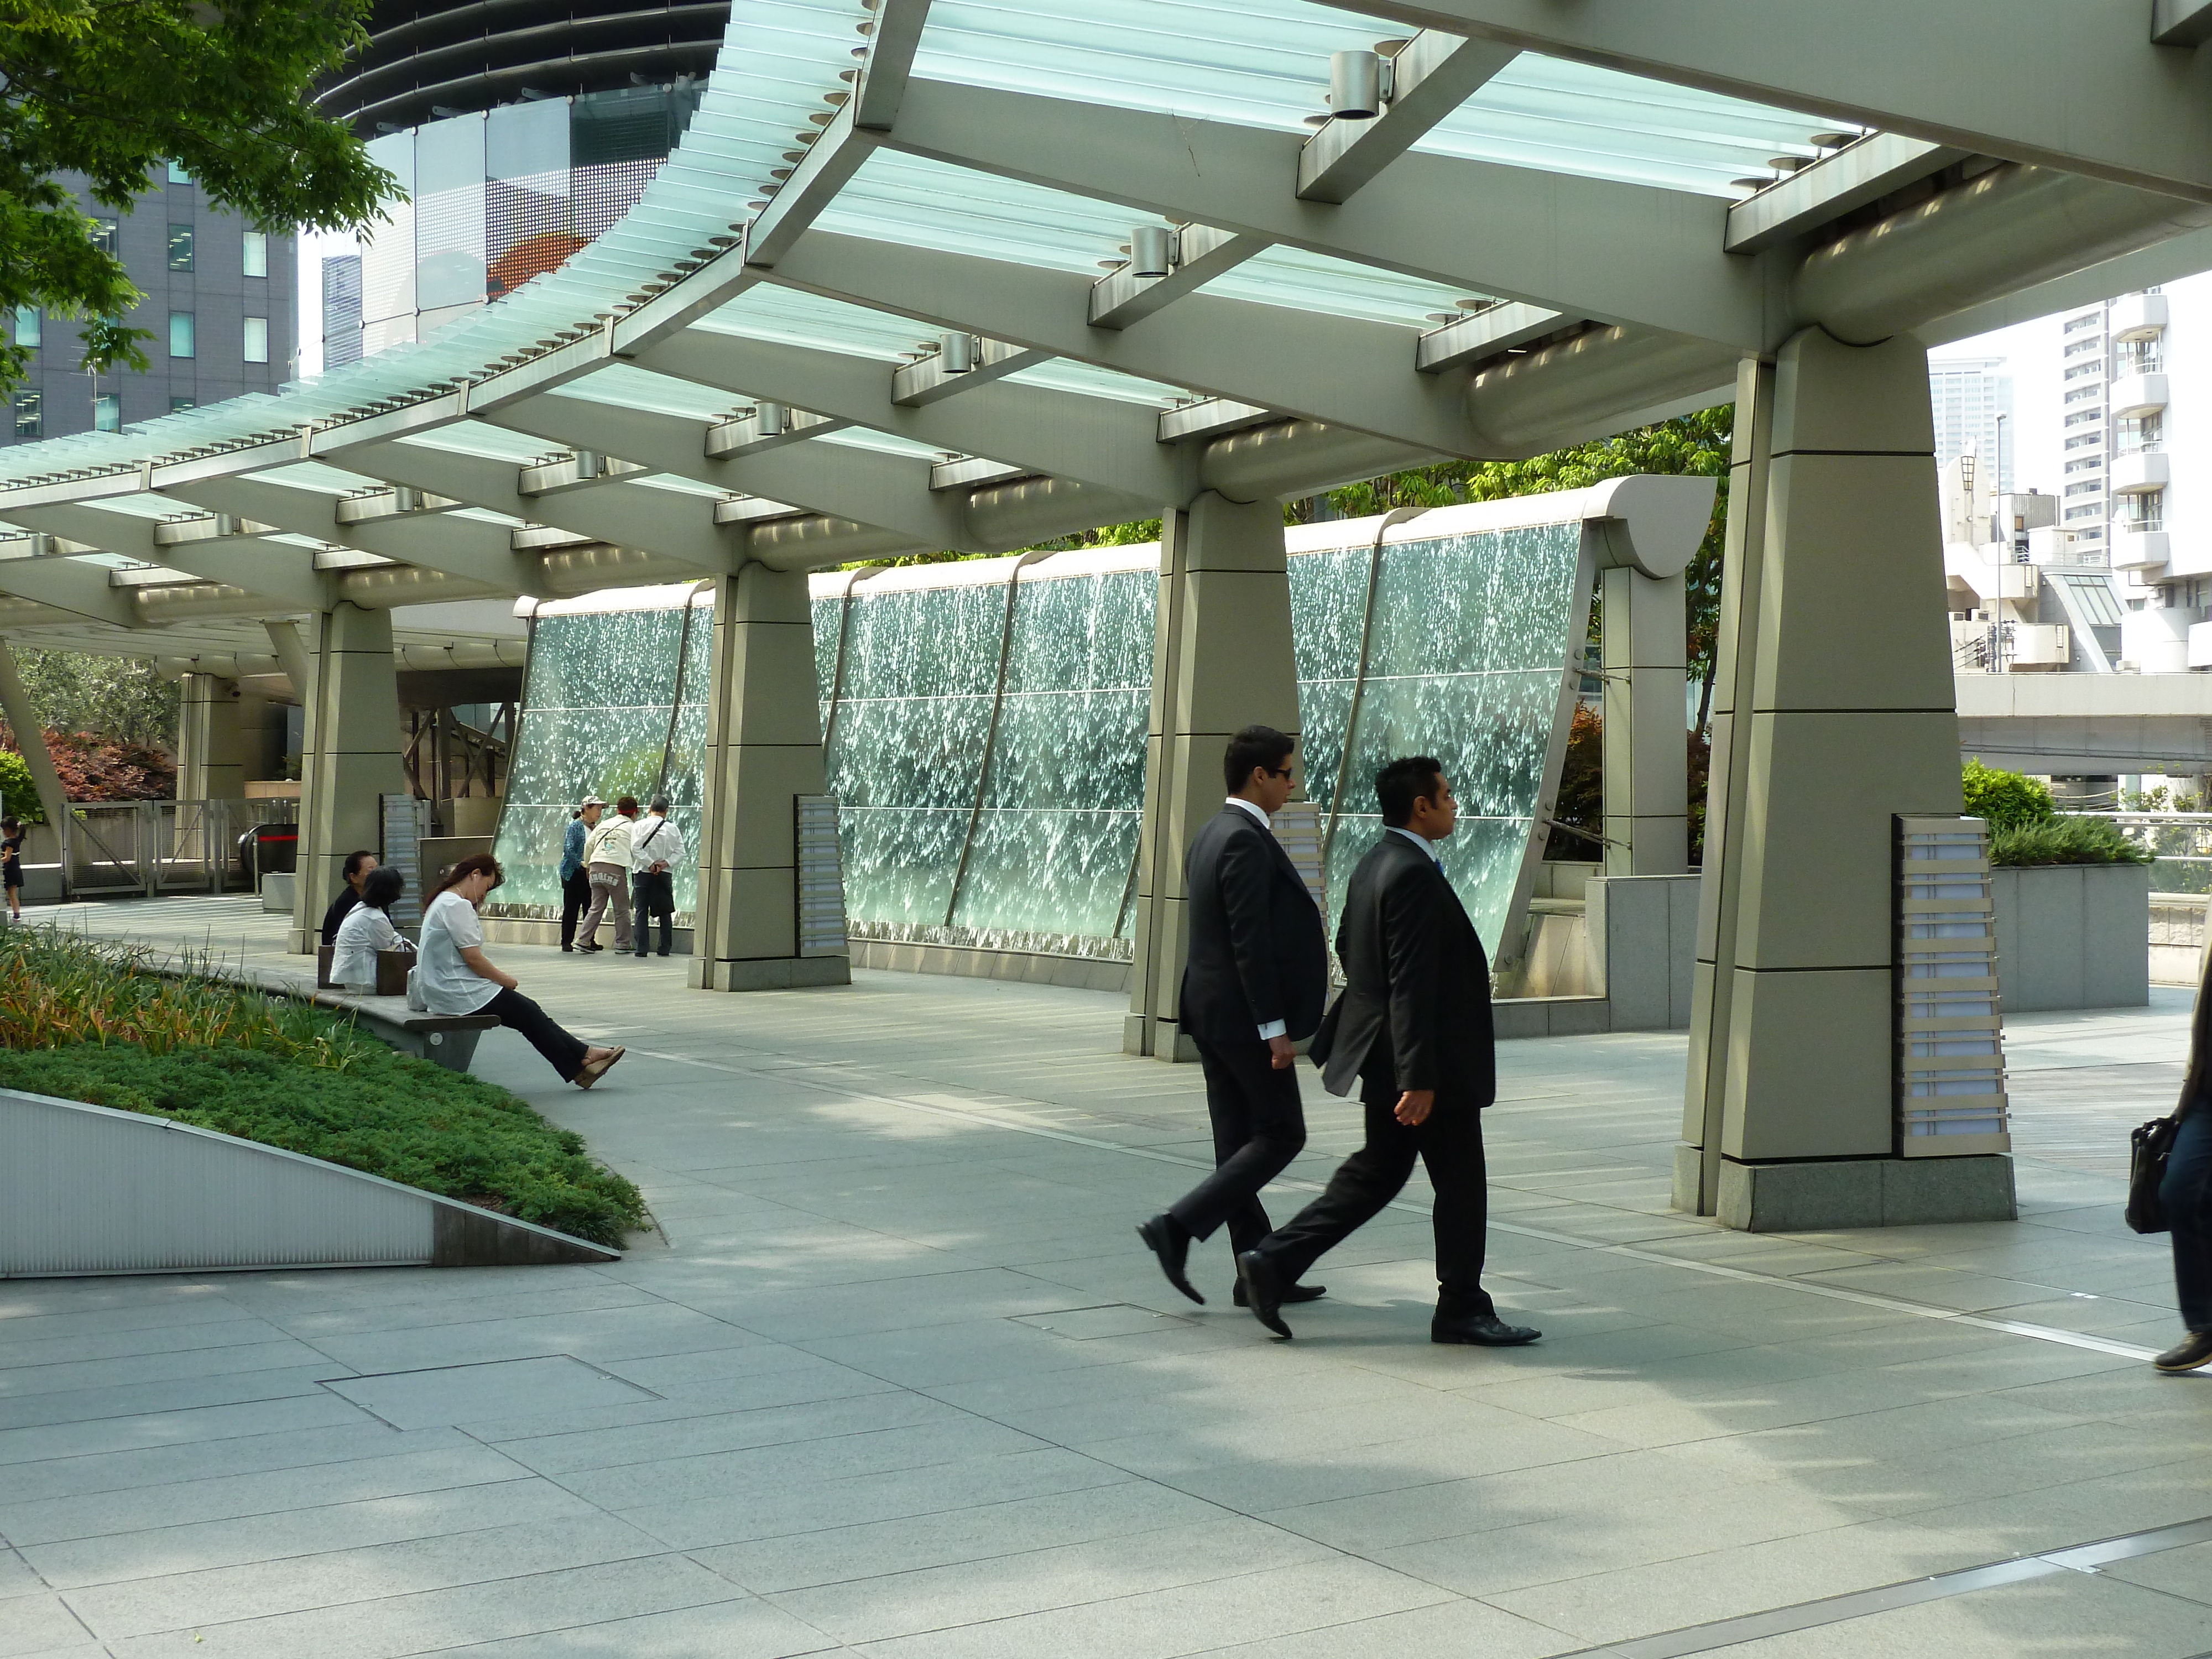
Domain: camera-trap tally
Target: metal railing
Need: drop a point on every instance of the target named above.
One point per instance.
(110, 849)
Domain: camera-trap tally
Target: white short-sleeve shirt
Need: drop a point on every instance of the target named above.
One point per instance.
(365, 930)
(448, 984)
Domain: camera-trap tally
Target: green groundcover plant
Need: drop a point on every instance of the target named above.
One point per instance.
(84, 1020)
(2064, 839)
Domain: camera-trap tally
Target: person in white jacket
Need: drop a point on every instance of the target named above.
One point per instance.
(656, 846)
(606, 860)
(365, 930)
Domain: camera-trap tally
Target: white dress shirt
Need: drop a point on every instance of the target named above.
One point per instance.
(365, 930)
(1273, 1027)
(1421, 841)
(654, 840)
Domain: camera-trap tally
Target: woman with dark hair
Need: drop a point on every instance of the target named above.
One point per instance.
(2185, 1195)
(457, 978)
(365, 930)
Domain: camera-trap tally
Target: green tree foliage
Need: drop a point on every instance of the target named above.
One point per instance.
(119, 697)
(112, 90)
(19, 796)
(2005, 800)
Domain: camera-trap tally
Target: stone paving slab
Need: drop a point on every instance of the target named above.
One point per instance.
(894, 1378)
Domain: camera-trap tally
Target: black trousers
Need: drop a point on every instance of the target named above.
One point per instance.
(2187, 1196)
(575, 899)
(519, 1013)
(1258, 1127)
(1450, 1144)
(652, 893)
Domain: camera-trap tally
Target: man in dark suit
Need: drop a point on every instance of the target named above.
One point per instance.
(1255, 982)
(1413, 1025)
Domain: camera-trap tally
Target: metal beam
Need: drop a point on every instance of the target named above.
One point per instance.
(223, 551)
(1064, 433)
(83, 590)
(1484, 334)
(1851, 178)
(467, 548)
(1333, 370)
(767, 426)
(2062, 84)
(1210, 418)
(624, 513)
(1431, 75)
(2181, 22)
(1552, 239)
(1202, 253)
(893, 35)
(582, 469)
(929, 381)
(800, 200)
(870, 489)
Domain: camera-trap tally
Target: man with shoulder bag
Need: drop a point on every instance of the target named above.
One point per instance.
(654, 846)
(2170, 1186)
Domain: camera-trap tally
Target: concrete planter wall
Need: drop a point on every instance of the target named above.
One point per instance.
(2073, 935)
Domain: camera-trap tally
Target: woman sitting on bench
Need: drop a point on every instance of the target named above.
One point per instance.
(456, 977)
(365, 930)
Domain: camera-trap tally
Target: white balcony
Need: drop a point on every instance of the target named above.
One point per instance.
(2137, 394)
(2138, 472)
(2138, 316)
(2038, 645)
(2139, 549)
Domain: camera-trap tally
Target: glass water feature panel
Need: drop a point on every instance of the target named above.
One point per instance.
(1467, 653)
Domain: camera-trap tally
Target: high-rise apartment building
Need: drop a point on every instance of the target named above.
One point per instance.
(218, 302)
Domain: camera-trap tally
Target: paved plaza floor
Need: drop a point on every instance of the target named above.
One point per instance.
(895, 1378)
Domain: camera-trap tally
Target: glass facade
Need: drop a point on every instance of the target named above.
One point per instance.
(985, 734)
(254, 340)
(181, 341)
(180, 247)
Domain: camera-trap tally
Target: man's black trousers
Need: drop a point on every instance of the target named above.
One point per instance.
(1450, 1144)
(653, 895)
(1258, 1127)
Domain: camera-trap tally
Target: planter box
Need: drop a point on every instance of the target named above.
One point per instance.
(2073, 935)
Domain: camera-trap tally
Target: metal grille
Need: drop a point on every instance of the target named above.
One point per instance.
(1950, 1035)
(820, 879)
(403, 818)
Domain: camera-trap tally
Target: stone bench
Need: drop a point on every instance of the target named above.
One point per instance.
(447, 1040)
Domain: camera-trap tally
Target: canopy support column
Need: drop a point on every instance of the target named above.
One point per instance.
(31, 739)
(349, 759)
(1833, 713)
(211, 759)
(763, 751)
(1221, 660)
(1647, 821)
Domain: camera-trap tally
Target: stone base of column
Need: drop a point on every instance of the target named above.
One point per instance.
(770, 974)
(1853, 1192)
(1162, 1042)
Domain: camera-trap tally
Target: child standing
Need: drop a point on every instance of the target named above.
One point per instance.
(11, 865)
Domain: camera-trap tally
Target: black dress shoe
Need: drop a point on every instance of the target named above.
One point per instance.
(2189, 1355)
(1170, 1244)
(1291, 1293)
(1480, 1330)
(1263, 1290)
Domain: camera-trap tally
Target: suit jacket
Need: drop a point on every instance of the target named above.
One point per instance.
(1415, 1012)
(1257, 950)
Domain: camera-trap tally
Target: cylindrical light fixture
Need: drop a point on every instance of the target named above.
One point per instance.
(767, 420)
(955, 352)
(1150, 248)
(1355, 85)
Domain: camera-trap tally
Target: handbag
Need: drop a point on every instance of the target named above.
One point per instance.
(415, 999)
(2148, 1148)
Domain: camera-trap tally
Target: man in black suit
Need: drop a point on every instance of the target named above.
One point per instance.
(1255, 982)
(1413, 1025)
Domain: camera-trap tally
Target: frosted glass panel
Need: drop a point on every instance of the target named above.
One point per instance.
(1028, 839)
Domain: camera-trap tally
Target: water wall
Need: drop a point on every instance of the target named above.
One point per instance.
(985, 720)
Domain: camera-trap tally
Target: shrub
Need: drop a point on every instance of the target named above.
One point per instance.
(2005, 799)
(19, 796)
(2064, 840)
(88, 1021)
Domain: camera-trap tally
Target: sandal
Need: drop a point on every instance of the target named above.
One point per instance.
(597, 1069)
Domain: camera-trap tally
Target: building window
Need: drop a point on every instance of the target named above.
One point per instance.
(2080, 369)
(257, 254)
(2089, 487)
(2143, 512)
(180, 334)
(2088, 319)
(27, 327)
(30, 420)
(2082, 392)
(2081, 346)
(2140, 357)
(2147, 432)
(178, 175)
(2084, 417)
(107, 412)
(103, 233)
(2086, 440)
(2086, 463)
(179, 405)
(256, 339)
(180, 247)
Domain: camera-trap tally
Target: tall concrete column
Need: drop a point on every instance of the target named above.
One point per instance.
(211, 759)
(1832, 714)
(350, 760)
(1221, 660)
(1647, 815)
(763, 751)
(31, 739)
